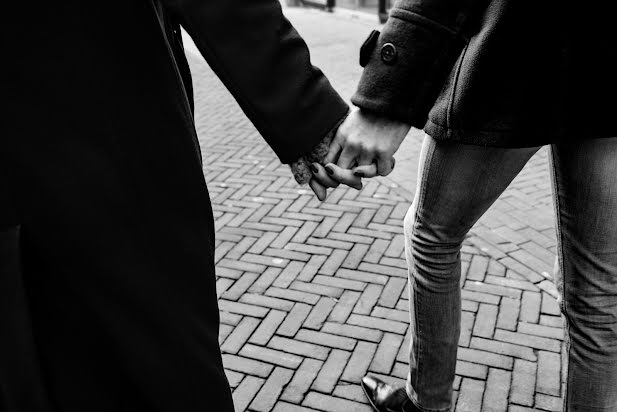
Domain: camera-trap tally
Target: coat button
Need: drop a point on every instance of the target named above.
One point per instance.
(389, 53)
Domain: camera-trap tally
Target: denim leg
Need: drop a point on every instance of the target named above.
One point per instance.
(456, 185)
(585, 189)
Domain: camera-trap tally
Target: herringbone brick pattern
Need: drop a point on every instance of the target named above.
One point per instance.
(314, 295)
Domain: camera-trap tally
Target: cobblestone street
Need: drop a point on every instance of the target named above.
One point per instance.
(314, 295)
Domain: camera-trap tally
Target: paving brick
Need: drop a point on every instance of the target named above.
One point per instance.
(541, 330)
(246, 391)
(480, 297)
(362, 276)
(266, 301)
(239, 265)
(471, 370)
(316, 289)
(351, 331)
(355, 256)
(478, 267)
(267, 327)
(550, 305)
(288, 275)
(312, 248)
(552, 321)
(341, 283)
(289, 407)
(532, 261)
(384, 270)
(481, 357)
(330, 244)
(532, 341)
(222, 284)
(392, 314)
(469, 305)
(320, 312)
(247, 366)
(493, 289)
(385, 356)
(467, 321)
(521, 269)
(392, 292)
(385, 325)
(284, 237)
(503, 348)
(508, 314)
(305, 349)
(364, 218)
(486, 318)
(530, 307)
(549, 369)
(271, 389)
(240, 248)
(523, 382)
(325, 226)
(326, 339)
(549, 287)
(403, 352)
(294, 320)
(470, 396)
(262, 243)
(224, 332)
(376, 251)
(549, 403)
(242, 308)
(265, 280)
(240, 335)
(302, 380)
(359, 362)
(311, 268)
(334, 262)
(496, 391)
(368, 299)
(276, 357)
(234, 378)
(332, 404)
(230, 318)
(400, 370)
(344, 306)
(351, 392)
(304, 232)
(331, 371)
(511, 283)
(294, 295)
(396, 247)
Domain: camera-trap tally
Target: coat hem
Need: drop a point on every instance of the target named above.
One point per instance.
(509, 138)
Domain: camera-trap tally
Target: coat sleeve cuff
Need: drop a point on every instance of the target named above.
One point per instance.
(405, 67)
(301, 168)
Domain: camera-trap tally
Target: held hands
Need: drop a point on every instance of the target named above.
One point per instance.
(364, 146)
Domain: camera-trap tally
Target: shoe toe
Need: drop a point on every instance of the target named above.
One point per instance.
(383, 397)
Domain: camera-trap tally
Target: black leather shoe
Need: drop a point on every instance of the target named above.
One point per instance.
(386, 398)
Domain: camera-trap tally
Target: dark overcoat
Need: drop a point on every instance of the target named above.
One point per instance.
(507, 73)
(107, 285)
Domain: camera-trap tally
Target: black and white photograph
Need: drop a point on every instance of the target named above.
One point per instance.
(308, 206)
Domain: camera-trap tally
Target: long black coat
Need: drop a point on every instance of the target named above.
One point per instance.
(101, 188)
(508, 73)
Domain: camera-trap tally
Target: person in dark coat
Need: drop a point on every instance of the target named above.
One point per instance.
(491, 81)
(107, 278)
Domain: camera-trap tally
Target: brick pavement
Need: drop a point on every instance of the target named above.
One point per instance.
(313, 295)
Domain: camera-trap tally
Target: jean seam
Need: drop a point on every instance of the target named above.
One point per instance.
(561, 267)
(421, 198)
